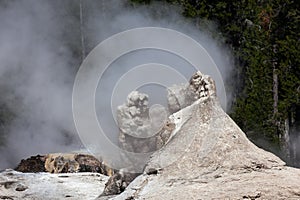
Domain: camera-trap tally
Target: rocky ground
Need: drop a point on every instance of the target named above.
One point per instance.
(206, 156)
(220, 163)
(28, 186)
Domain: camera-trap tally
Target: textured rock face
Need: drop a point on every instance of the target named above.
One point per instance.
(133, 116)
(134, 124)
(208, 157)
(117, 183)
(32, 164)
(64, 163)
(181, 96)
(203, 155)
(142, 132)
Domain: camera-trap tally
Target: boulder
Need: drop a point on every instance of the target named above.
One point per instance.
(64, 163)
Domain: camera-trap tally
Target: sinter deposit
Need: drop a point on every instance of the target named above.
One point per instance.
(198, 152)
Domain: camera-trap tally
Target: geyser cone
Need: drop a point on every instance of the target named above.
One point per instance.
(209, 157)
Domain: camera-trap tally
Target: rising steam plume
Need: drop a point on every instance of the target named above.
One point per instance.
(40, 52)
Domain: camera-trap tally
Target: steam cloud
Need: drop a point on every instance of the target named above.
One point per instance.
(38, 65)
(36, 78)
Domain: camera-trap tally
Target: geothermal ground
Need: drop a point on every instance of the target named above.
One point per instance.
(204, 155)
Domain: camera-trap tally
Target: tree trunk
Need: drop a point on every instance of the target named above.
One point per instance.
(286, 139)
(283, 129)
(81, 31)
(275, 91)
(103, 10)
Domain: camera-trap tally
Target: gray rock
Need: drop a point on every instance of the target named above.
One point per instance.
(203, 155)
(209, 157)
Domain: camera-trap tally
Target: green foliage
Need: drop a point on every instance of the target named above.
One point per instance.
(264, 36)
(270, 46)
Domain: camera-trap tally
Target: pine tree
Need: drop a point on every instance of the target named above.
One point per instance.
(264, 37)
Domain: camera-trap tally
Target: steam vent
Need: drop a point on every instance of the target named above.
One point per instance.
(199, 153)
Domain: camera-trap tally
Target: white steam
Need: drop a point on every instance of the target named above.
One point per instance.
(36, 81)
(38, 65)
